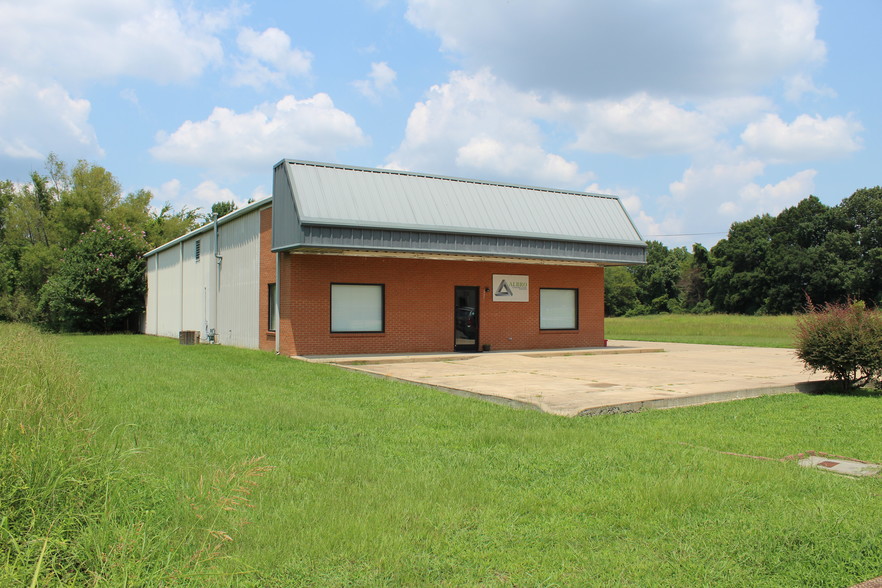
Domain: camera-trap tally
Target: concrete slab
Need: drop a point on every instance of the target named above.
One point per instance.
(846, 467)
(624, 377)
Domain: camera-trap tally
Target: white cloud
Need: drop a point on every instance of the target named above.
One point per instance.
(380, 82)
(473, 125)
(641, 125)
(801, 83)
(150, 39)
(37, 119)
(806, 138)
(712, 197)
(208, 192)
(268, 58)
(253, 141)
(595, 48)
(489, 156)
(752, 199)
(199, 197)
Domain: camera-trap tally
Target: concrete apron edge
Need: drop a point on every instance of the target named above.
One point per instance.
(809, 387)
(348, 360)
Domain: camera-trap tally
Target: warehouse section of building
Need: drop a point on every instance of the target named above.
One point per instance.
(348, 260)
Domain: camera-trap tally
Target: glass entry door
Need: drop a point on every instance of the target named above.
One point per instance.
(465, 313)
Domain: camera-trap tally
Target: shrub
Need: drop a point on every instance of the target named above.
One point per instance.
(100, 284)
(844, 340)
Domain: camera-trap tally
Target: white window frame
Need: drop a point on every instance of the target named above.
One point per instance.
(358, 308)
(558, 309)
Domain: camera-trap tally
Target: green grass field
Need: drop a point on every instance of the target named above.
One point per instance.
(713, 329)
(374, 482)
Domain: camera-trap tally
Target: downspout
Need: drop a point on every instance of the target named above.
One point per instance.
(218, 258)
(276, 301)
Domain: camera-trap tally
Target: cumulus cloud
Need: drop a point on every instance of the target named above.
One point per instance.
(806, 138)
(594, 48)
(801, 84)
(380, 81)
(475, 125)
(37, 119)
(151, 39)
(267, 58)
(228, 141)
(200, 197)
(714, 196)
(642, 125)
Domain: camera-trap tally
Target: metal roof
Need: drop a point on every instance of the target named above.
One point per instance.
(345, 196)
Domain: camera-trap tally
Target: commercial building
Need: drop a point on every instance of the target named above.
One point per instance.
(347, 260)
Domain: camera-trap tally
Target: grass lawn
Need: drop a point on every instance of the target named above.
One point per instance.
(713, 329)
(382, 483)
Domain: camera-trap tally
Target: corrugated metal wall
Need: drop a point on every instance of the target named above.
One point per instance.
(238, 303)
(184, 294)
(167, 293)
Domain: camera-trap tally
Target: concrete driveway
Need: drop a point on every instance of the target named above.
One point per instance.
(626, 376)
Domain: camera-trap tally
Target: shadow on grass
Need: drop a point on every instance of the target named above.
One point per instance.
(832, 388)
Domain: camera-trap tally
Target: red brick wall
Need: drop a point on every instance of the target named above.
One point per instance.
(267, 276)
(419, 299)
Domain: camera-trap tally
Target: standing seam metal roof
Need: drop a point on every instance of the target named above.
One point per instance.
(344, 196)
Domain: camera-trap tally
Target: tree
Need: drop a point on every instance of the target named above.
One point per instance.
(166, 224)
(619, 291)
(93, 194)
(221, 209)
(738, 282)
(100, 283)
(657, 280)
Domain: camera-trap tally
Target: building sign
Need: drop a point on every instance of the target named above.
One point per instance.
(511, 288)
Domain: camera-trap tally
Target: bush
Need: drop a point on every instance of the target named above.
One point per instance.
(100, 284)
(844, 340)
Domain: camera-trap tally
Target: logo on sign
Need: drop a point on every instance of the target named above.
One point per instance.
(503, 289)
(507, 288)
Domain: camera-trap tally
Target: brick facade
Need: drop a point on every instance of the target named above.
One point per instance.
(419, 302)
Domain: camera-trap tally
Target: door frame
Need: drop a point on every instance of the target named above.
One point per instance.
(469, 347)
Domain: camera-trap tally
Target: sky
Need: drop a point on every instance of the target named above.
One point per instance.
(696, 113)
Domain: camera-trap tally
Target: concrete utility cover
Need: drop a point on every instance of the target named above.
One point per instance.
(845, 467)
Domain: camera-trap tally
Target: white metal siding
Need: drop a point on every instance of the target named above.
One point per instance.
(186, 295)
(152, 287)
(238, 300)
(168, 293)
(195, 281)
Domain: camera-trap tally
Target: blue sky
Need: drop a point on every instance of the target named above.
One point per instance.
(695, 113)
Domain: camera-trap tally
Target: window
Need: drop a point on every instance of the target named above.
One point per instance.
(558, 308)
(272, 318)
(198, 249)
(357, 308)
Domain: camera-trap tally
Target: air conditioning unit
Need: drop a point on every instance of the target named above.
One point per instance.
(188, 337)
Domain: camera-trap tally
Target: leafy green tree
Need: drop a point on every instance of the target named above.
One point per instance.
(222, 208)
(93, 194)
(738, 282)
(657, 280)
(798, 262)
(619, 291)
(100, 283)
(167, 224)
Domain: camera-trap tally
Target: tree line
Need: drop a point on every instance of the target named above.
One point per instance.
(72, 245)
(765, 265)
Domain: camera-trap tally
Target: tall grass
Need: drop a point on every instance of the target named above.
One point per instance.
(711, 329)
(73, 508)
